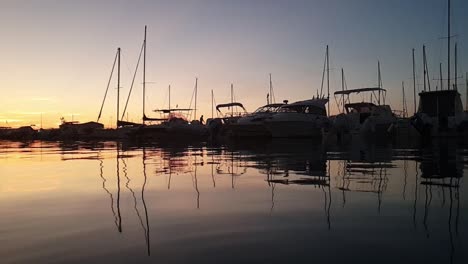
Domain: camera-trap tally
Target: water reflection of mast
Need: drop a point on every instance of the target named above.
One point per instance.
(147, 234)
(119, 225)
(101, 165)
(415, 194)
(327, 200)
(195, 183)
(135, 201)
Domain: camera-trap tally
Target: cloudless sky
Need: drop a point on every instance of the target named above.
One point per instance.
(56, 56)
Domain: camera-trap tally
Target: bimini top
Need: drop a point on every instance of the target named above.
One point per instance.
(230, 105)
(360, 90)
(319, 102)
(168, 111)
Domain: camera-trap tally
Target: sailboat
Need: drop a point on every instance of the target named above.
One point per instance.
(172, 123)
(440, 112)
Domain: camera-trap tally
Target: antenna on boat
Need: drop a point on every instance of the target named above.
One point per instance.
(118, 86)
(414, 84)
(196, 91)
(144, 75)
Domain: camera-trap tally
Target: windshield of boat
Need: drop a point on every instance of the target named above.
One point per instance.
(267, 109)
(304, 109)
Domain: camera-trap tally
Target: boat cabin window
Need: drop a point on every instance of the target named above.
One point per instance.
(304, 109)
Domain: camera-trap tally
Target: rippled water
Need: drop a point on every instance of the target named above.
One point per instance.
(274, 202)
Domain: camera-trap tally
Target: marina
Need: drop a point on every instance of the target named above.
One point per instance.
(227, 131)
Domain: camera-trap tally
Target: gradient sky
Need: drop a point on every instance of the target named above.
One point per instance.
(56, 56)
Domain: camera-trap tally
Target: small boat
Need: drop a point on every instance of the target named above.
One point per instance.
(252, 125)
(302, 119)
(364, 117)
(219, 126)
(440, 113)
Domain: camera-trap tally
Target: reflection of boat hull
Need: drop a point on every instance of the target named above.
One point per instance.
(248, 130)
(294, 129)
(352, 123)
(173, 131)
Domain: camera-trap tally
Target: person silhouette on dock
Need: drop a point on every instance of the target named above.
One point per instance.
(201, 120)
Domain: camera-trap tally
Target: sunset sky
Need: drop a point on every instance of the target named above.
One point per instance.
(56, 56)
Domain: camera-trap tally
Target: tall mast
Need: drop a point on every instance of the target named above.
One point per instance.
(196, 91)
(271, 91)
(466, 88)
(414, 84)
(118, 86)
(328, 81)
(342, 89)
(424, 67)
(448, 48)
(169, 97)
(456, 66)
(380, 80)
(232, 99)
(212, 104)
(440, 76)
(144, 74)
(404, 99)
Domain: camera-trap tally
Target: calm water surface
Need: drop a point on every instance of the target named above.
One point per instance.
(277, 202)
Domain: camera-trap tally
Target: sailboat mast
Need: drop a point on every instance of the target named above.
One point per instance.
(456, 68)
(342, 89)
(404, 99)
(466, 91)
(328, 81)
(424, 67)
(271, 91)
(212, 104)
(448, 47)
(144, 74)
(380, 80)
(232, 99)
(196, 91)
(414, 84)
(440, 76)
(169, 97)
(118, 86)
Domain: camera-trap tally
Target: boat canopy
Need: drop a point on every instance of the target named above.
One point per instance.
(320, 103)
(229, 105)
(168, 111)
(269, 108)
(360, 90)
(145, 118)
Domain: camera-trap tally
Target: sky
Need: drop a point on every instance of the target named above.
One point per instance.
(56, 55)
